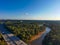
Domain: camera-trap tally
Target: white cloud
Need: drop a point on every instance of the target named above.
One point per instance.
(26, 14)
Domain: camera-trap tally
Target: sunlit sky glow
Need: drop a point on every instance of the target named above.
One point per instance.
(30, 9)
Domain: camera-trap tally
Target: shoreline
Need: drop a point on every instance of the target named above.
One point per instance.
(36, 36)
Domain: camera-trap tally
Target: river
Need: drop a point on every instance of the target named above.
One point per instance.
(39, 40)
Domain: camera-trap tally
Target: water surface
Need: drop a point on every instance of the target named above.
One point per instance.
(39, 40)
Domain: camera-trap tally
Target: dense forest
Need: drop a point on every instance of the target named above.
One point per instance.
(53, 38)
(24, 30)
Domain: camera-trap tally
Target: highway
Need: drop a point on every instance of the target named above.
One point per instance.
(9, 37)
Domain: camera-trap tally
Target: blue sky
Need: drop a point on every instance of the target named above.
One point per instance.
(30, 9)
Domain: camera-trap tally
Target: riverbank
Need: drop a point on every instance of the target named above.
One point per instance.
(40, 37)
(53, 38)
(37, 36)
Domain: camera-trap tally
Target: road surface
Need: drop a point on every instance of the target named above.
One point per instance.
(9, 37)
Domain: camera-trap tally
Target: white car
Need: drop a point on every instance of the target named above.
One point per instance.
(3, 32)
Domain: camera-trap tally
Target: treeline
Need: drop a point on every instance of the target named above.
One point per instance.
(2, 42)
(53, 38)
(24, 30)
